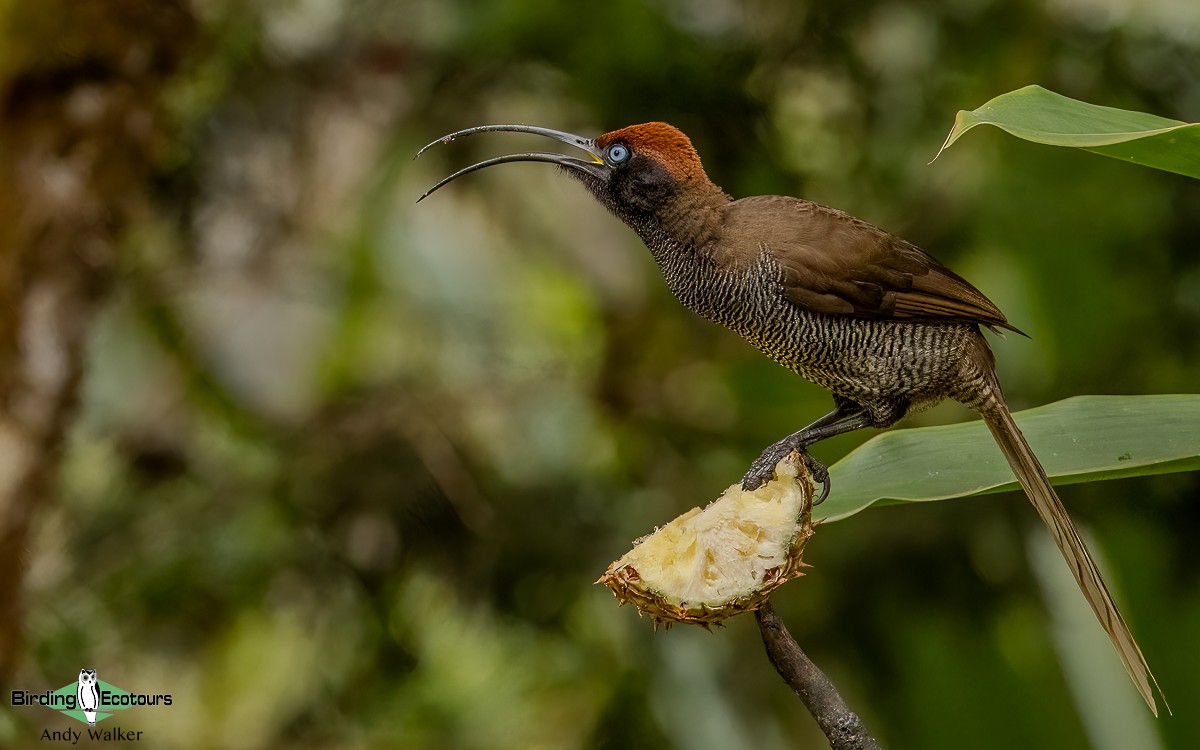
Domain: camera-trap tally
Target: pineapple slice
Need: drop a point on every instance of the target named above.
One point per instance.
(711, 564)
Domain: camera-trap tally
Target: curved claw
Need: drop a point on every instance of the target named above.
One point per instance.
(819, 473)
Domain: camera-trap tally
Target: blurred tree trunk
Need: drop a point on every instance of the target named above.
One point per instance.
(82, 138)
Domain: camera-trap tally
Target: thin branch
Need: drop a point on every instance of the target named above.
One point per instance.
(842, 727)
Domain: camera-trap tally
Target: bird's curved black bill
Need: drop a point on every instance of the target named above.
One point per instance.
(595, 168)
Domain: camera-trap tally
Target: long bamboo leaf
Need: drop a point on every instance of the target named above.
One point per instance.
(1081, 439)
(1039, 115)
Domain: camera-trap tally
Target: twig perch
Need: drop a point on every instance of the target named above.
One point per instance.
(842, 727)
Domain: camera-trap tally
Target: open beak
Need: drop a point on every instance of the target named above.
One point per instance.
(595, 168)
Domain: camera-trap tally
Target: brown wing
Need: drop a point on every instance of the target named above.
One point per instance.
(837, 264)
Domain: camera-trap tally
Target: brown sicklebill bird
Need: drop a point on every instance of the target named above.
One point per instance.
(874, 319)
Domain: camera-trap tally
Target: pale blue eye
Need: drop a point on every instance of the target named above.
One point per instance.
(618, 153)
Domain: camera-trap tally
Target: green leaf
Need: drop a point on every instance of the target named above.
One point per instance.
(1042, 116)
(1081, 439)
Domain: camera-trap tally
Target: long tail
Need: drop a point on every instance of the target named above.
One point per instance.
(1036, 484)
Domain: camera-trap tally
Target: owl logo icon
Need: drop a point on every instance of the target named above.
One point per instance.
(88, 695)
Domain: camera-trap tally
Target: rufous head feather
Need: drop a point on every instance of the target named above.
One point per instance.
(664, 143)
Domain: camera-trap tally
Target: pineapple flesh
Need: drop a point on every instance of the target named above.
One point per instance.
(708, 565)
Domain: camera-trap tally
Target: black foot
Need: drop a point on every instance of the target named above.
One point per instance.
(762, 470)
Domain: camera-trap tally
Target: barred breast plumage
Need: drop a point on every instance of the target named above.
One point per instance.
(887, 366)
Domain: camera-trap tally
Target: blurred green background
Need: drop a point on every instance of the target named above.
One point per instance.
(337, 470)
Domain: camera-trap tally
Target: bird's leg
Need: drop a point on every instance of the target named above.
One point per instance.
(846, 417)
(763, 467)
